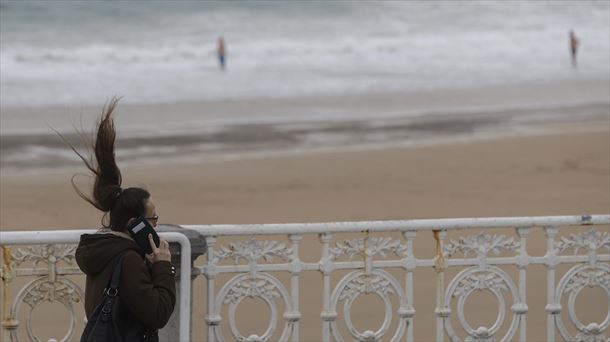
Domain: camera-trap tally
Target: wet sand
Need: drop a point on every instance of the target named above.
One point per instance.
(196, 132)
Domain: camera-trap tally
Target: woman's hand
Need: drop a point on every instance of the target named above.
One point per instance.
(160, 253)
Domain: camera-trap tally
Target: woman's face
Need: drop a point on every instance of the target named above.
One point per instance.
(151, 213)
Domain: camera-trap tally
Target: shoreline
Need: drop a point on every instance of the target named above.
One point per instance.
(243, 129)
(430, 141)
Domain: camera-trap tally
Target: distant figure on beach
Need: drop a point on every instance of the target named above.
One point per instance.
(573, 47)
(221, 51)
(114, 258)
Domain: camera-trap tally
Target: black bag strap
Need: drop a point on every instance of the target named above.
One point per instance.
(100, 326)
(116, 273)
(112, 291)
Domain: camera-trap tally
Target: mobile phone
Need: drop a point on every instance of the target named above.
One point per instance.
(139, 230)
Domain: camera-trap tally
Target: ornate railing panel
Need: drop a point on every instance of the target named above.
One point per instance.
(378, 259)
(50, 285)
(49, 257)
(481, 255)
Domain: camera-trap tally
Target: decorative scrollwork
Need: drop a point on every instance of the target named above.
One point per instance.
(592, 333)
(44, 253)
(590, 240)
(379, 283)
(480, 335)
(51, 285)
(350, 248)
(366, 284)
(251, 288)
(591, 278)
(480, 244)
(571, 284)
(51, 292)
(371, 245)
(43, 289)
(480, 281)
(253, 250)
(263, 286)
(474, 279)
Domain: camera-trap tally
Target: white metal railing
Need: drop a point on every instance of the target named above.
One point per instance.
(370, 275)
(52, 283)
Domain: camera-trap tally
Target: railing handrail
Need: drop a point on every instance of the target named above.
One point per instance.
(399, 225)
(59, 236)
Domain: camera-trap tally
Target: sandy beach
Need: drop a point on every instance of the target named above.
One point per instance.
(560, 172)
(313, 111)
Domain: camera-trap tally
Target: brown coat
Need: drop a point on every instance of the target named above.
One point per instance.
(147, 291)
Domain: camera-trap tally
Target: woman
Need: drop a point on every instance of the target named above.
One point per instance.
(147, 287)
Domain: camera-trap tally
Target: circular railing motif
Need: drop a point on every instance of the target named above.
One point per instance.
(354, 284)
(41, 290)
(263, 286)
(490, 279)
(571, 284)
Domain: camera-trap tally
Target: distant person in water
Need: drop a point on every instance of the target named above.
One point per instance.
(221, 51)
(574, 43)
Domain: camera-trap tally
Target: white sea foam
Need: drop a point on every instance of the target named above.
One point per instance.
(80, 54)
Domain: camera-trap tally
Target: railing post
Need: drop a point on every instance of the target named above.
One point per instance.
(522, 263)
(326, 267)
(441, 311)
(295, 271)
(198, 247)
(9, 324)
(212, 318)
(410, 267)
(552, 308)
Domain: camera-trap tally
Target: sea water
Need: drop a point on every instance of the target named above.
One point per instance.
(70, 55)
(80, 53)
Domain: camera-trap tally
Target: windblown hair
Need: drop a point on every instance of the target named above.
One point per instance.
(120, 205)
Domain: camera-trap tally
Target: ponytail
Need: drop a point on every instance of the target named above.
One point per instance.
(107, 195)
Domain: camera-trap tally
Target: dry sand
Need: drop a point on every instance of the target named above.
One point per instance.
(560, 173)
(551, 174)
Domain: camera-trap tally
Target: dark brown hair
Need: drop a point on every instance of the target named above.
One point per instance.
(120, 205)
